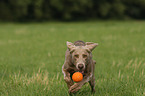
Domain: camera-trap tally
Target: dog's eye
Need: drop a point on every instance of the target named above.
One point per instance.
(76, 56)
(84, 56)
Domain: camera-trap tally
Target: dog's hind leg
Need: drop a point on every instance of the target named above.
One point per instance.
(92, 84)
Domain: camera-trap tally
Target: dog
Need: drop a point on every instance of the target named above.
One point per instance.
(78, 58)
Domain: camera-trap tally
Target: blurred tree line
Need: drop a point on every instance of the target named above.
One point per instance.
(39, 10)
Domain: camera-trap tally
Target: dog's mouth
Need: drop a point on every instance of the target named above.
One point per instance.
(81, 71)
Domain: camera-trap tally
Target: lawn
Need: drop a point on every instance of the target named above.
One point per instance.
(32, 54)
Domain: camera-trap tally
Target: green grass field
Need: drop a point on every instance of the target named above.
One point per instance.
(31, 57)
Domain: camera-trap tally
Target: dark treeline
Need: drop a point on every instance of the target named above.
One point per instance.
(45, 10)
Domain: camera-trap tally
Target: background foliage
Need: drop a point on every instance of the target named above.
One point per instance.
(41, 10)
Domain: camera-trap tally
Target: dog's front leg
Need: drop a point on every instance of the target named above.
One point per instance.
(74, 88)
(67, 78)
(68, 81)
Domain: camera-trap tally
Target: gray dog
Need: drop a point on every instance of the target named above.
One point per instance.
(78, 58)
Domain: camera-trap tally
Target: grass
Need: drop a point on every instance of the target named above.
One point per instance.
(31, 57)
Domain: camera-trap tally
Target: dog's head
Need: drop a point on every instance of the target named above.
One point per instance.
(81, 55)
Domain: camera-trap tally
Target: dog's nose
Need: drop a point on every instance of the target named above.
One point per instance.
(80, 66)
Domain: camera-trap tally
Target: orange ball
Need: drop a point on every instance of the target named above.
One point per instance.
(77, 77)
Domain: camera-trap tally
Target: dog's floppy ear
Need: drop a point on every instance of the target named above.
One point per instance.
(90, 45)
(70, 46)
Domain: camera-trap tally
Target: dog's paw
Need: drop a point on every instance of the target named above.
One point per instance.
(67, 79)
(74, 88)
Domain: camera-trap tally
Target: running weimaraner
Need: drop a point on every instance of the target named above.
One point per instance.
(78, 58)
